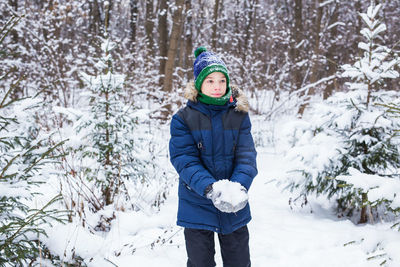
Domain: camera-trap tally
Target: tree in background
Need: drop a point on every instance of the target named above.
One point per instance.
(109, 151)
(272, 47)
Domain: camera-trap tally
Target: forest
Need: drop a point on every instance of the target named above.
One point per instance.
(88, 89)
(278, 46)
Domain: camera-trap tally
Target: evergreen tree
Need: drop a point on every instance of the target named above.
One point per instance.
(379, 153)
(359, 137)
(27, 157)
(109, 150)
(378, 62)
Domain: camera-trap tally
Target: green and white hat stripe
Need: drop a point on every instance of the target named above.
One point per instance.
(208, 70)
(206, 63)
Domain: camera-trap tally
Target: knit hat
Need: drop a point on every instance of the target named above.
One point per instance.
(207, 62)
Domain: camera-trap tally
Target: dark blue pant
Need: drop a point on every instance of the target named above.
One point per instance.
(201, 249)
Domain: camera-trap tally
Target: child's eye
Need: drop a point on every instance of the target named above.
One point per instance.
(210, 81)
(223, 81)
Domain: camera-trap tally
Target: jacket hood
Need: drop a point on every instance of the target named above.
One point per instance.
(242, 103)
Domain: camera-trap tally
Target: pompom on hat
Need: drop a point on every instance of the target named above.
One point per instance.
(207, 62)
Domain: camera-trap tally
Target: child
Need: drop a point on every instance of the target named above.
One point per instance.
(212, 150)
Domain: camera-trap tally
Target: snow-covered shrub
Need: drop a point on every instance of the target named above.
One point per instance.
(338, 136)
(369, 74)
(114, 149)
(348, 133)
(378, 189)
(26, 161)
(108, 151)
(117, 163)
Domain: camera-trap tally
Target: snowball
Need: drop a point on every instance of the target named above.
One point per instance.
(231, 192)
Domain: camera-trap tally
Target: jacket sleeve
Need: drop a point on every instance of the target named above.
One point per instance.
(185, 157)
(245, 165)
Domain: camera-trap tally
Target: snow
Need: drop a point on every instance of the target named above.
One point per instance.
(363, 46)
(326, 3)
(378, 187)
(14, 190)
(373, 10)
(74, 238)
(335, 24)
(231, 192)
(281, 235)
(283, 231)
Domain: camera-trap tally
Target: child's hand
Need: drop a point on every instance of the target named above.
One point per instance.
(227, 196)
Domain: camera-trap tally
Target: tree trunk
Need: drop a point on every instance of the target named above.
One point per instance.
(215, 25)
(95, 21)
(201, 21)
(369, 93)
(18, 91)
(237, 33)
(133, 4)
(133, 19)
(182, 56)
(14, 5)
(149, 26)
(296, 39)
(163, 37)
(331, 54)
(317, 40)
(250, 17)
(188, 36)
(107, 14)
(226, 45)
(359, 24)
(364, 215)
(315, 56)
(173, 45)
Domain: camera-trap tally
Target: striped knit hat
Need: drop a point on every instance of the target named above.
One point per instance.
(207, 62)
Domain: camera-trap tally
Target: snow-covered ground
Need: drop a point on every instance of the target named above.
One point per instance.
(280, 234)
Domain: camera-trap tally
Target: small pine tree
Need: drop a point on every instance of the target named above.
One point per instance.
(364, 134)
(26, 156)
(378, 62)
(343, 134)
(109, 150)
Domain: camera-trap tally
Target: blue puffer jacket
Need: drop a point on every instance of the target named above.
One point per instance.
(209, 143)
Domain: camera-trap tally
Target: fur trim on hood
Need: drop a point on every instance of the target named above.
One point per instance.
(242, 103)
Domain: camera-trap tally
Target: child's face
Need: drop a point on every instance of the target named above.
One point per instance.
(214, 85)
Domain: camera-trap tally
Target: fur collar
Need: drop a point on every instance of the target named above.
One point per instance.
(242, 103)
